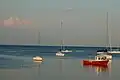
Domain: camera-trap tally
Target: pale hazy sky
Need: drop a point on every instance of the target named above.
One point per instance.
(84, 24)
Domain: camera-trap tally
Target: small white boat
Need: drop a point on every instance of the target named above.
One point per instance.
(60, 54)
(114, 52)
(66, 51)
(37, 58)
(111, 52)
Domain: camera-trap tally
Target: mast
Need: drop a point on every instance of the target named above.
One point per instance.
(62, 41)
(38, 37)
(108, 38)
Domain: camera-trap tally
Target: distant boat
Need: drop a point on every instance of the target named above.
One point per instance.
(62, 42)
(63, 50)
(111, 51)
(66, 51)
(37, 58)
(60, 54)
(114, 52)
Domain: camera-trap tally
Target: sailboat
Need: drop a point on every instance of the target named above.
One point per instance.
(105, 52)
(60, 53)
(111, 51)
(114, 51)
(38, 58)
(62, 41)
(62, 50)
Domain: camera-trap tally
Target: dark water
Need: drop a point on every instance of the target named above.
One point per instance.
(16, 64)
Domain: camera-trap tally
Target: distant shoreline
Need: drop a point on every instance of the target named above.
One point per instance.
(37, 45)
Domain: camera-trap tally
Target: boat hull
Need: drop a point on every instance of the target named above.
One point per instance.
(94, 62)
(114, 52)
(60, 54)
(110, 52)
(66, 51)
(38, 59)
(100, 52)
(103, 66)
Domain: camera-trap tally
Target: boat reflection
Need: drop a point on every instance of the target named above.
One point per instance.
(39, 62)
(60, 64)
(99, 69)
(38, 68)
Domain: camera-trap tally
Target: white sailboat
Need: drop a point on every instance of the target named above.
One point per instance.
(60, 53)
(62, 41)
(105, 52)
(62, 50)
(113, 51)
(66, 51)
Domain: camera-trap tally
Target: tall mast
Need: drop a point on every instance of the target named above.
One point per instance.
(108, 38)
(62, 41)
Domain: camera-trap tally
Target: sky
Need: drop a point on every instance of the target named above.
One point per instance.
(84, 22)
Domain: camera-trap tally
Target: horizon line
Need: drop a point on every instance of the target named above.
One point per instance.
(49, 45)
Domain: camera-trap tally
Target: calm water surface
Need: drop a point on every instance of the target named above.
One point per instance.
(55, 69)
(14, 67)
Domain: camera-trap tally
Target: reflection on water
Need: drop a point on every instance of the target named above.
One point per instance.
(53, 68)
(99, 69)
(38, 65)
(60, 64)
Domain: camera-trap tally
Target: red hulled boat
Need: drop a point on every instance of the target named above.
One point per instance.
(99, 60)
